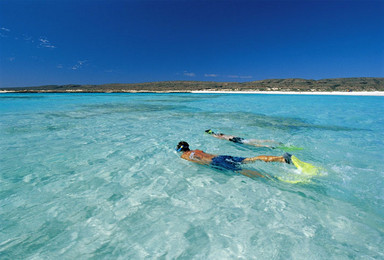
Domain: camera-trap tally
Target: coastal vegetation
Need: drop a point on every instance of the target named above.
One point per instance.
(291, 85)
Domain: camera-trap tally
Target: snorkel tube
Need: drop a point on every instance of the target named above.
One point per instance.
(182, 147)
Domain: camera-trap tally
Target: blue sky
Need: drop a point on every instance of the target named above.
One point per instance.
(100, 41)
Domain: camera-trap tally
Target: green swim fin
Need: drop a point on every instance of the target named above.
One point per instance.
(289, 148)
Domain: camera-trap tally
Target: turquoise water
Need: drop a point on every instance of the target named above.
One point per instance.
(97, 176)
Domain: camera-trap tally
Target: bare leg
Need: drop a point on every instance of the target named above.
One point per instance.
(261, 143)
(251, 174)
(264, 158)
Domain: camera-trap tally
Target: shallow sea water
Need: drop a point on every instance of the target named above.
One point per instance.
(96, 176)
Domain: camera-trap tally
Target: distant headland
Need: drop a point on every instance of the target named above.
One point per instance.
(360, 84)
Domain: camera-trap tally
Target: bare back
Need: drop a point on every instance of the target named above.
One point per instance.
(198, 156)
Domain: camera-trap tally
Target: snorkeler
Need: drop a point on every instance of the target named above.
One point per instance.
(253, 142)
(228, 162)
(239, 140)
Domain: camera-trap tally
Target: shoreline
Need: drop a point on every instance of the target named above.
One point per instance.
(335, 93)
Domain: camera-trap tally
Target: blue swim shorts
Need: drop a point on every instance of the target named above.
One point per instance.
(227, 162)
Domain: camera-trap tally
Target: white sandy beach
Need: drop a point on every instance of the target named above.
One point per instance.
(335, 93)
(367, 93)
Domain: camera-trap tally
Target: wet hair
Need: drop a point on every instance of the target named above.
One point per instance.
(182, 147)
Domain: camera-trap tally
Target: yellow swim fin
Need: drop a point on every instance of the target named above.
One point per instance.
(308, 171)
(306, 168)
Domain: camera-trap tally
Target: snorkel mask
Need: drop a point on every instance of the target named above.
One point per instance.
(182, 147)
(209, 131)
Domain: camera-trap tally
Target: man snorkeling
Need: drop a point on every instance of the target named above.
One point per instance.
(239, 140)
(228, 162)
(254, 142)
